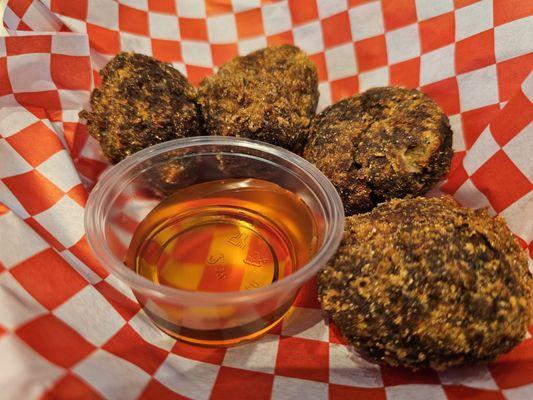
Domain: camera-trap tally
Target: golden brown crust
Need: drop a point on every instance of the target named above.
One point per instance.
(141, 102)
(425, 282)
(269, 95)
(167, 176)
(384, 143)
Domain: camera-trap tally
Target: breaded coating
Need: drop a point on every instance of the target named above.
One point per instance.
(141, 102)
(268, 95)
(168, 176)
(384, 143)
(427, 283)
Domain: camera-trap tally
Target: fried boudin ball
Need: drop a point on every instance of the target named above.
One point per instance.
(141, 102)
(381, 144)
(425, 282)
(269, 95)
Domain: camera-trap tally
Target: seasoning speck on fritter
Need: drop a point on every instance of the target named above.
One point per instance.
(268, 95)
(427, 283)
(141, 102)
(381, 144)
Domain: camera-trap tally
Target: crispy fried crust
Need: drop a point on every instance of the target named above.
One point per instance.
(168, 176)
(384, 143)
(424, 282)
(269, 95)
(141, 102)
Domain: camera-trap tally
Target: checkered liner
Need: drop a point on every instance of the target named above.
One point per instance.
(70, 330)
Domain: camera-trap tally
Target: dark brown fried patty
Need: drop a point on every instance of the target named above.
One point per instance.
(141, 102)
(269, 95)
(425, 282)
(384, 143)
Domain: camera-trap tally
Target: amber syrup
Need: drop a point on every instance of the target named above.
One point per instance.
(224, 236)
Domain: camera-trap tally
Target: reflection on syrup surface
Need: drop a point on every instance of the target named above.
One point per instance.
(224, 236)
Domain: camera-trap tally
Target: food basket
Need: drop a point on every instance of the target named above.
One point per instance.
(69, 330)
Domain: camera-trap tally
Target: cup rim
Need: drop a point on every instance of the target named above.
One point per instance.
(94, 228)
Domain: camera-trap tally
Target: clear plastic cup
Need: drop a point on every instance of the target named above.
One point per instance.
(128, 191)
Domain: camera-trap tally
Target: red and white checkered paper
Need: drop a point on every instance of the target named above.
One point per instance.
(68, 330)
